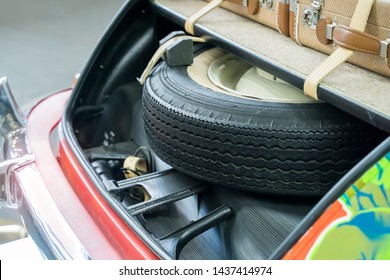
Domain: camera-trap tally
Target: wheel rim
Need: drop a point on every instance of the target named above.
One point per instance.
(228, 74)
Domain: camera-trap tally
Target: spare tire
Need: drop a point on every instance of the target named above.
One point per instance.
(256, 145)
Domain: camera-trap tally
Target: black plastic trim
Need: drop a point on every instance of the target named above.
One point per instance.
(354, 108)
(69, 135)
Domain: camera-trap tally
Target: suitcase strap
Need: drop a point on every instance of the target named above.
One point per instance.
(341, 54)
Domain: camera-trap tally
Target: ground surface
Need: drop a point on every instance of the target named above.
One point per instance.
(43, 43)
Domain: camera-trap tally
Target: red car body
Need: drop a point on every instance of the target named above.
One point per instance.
(46, 176)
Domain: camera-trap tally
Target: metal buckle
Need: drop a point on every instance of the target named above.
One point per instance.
(268, 4)
(316, 10)
(311, 15)
(384, 47)
(317, 4)
(329, 29)
(293, 5)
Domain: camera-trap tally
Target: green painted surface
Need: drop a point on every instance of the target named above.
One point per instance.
(364, 233)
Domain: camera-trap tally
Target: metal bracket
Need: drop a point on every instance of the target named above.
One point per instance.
(311, 15)
(316, 5)
(384, 47)
(307, 17)
(293, 5)
(165, 188)
(268, 4)
(329, 29)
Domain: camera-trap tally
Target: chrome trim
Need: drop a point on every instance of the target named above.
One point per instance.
(311, 15)
(384, 46)
(8, 194)
(307, 16)
(317, 4)
(11, 117)
(316, 9)
(268, 4)
(22, 186)
(293, 5)
(14, 150)
(329, 29)
(47, 218)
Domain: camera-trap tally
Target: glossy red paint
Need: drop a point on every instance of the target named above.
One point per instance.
(128, 244)
(98, 227)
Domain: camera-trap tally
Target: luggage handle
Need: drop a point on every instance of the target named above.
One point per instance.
(340, 55)
(329, 32)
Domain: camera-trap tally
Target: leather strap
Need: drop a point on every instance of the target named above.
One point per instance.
(321, 30)
(283, 18)
(358, 22)
(356, 40)
(253, 6)
(352, 39)
(294, 23)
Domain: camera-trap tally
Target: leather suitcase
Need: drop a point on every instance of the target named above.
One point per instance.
(324, 24)
(272, 13)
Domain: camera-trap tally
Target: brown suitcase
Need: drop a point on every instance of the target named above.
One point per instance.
(272, 13)
(324, 25)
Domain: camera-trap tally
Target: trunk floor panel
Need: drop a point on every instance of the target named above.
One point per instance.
(259, 224)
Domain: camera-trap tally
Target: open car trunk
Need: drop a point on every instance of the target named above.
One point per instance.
(178, 216)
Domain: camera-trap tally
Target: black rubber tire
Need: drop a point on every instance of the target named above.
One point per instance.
(277, 148)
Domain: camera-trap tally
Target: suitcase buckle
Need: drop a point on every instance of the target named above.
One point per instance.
(293, 5)
(316, 9)
(311, 15)
(384, 47)
(329, 29)
(267, 4)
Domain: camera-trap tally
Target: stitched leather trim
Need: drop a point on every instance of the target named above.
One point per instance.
(340, 55)
(283, 18)
(321, 30)
(253, 7)
(292, 25)
(356, 40)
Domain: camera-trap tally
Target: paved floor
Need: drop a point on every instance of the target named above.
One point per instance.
(44, 42)
(42, 45)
